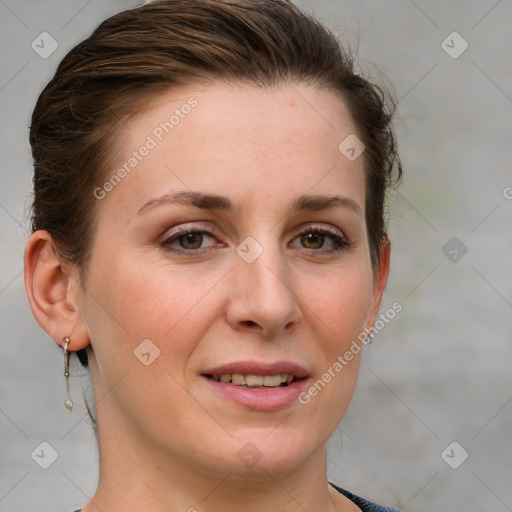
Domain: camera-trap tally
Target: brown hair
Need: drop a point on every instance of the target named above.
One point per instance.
(138, 54)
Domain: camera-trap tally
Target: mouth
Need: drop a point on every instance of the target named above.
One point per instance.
(258, 386)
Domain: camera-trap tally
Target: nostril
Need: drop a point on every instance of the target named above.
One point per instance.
(249, 322)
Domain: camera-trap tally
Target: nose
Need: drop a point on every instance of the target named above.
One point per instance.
(262, 298)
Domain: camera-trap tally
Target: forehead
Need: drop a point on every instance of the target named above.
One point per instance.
(251, 141)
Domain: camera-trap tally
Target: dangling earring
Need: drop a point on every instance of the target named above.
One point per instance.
(370, 336)
(68, 403)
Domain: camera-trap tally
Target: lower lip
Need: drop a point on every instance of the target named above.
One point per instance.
(268, 399)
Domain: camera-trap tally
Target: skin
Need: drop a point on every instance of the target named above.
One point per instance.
(261, 148)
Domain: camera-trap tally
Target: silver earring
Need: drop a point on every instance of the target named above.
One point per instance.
(371, 335)
(68, 403)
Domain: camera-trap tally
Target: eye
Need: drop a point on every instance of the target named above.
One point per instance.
(315, 238)
(194, 240)
(187, 239)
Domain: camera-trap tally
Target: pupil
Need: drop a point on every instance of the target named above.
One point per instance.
(187, 241)
(316, 239)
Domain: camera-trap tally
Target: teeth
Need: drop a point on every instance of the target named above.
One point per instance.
(238, 379)
(254, 380)
(248, 380)
(272, 380)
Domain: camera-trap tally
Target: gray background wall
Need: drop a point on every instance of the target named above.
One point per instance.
(438, 373)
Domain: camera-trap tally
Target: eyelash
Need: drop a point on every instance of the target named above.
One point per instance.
(340, 242)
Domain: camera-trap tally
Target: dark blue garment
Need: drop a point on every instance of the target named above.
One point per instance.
(364, 505)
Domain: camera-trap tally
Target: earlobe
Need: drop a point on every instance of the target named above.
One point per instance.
(52, 291)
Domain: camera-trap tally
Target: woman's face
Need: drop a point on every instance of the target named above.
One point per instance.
(220, 251)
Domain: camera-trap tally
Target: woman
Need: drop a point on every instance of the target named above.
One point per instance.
(208, 238)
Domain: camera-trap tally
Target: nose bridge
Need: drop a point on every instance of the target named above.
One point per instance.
(263, 286)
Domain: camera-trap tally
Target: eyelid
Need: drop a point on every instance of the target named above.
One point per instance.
(322, 227)
(187, 228)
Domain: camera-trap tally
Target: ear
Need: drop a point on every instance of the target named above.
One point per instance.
(53, 291)
(380, 280)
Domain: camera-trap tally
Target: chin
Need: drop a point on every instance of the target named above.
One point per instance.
(264, 453)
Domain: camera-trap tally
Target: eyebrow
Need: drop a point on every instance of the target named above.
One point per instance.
(305, 202)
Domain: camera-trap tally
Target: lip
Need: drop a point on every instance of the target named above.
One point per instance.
(257, 368)
(270, 399)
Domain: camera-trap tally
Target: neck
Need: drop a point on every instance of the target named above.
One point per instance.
(135, 477)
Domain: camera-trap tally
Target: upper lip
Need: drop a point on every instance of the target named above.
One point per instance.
(259, 368)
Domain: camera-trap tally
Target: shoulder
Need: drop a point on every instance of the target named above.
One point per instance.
(364, 505)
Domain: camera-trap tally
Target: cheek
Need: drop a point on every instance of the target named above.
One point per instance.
(339, 304)
(139, 300)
